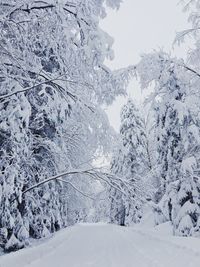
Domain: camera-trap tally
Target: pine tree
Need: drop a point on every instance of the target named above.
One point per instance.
(131, 163)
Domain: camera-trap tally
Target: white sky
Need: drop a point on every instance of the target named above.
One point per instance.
(140, 26)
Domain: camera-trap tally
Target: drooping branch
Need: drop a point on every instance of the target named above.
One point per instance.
(93, 173)
(55, 177)
(45, 6)
(57, 86)
(77, 189)
(47, 81)
(192, 70)
(2, 97)
(124, 187)
(105, 177)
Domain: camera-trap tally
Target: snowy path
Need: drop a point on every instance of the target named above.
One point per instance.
(98, 245)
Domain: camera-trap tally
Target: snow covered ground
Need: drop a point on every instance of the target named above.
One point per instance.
(104, 245)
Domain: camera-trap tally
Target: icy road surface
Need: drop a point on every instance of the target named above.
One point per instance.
(98, 245)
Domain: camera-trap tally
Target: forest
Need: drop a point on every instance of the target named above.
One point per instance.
(54, 87)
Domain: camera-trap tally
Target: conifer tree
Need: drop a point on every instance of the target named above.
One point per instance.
(131, 163)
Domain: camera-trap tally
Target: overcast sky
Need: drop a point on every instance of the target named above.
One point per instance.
(140, 26)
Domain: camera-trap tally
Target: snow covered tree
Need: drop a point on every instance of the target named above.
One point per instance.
(178, 140)
(52, 82)
(130, 162)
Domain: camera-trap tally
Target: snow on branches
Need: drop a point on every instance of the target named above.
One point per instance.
(52, 83)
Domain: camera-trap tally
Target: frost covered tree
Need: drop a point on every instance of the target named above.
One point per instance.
(177, 140)
(131, 162)
(52, 82)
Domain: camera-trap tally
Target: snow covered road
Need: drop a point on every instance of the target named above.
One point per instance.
(101, 245)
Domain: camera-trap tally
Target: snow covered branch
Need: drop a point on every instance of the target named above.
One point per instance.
(112, 180)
